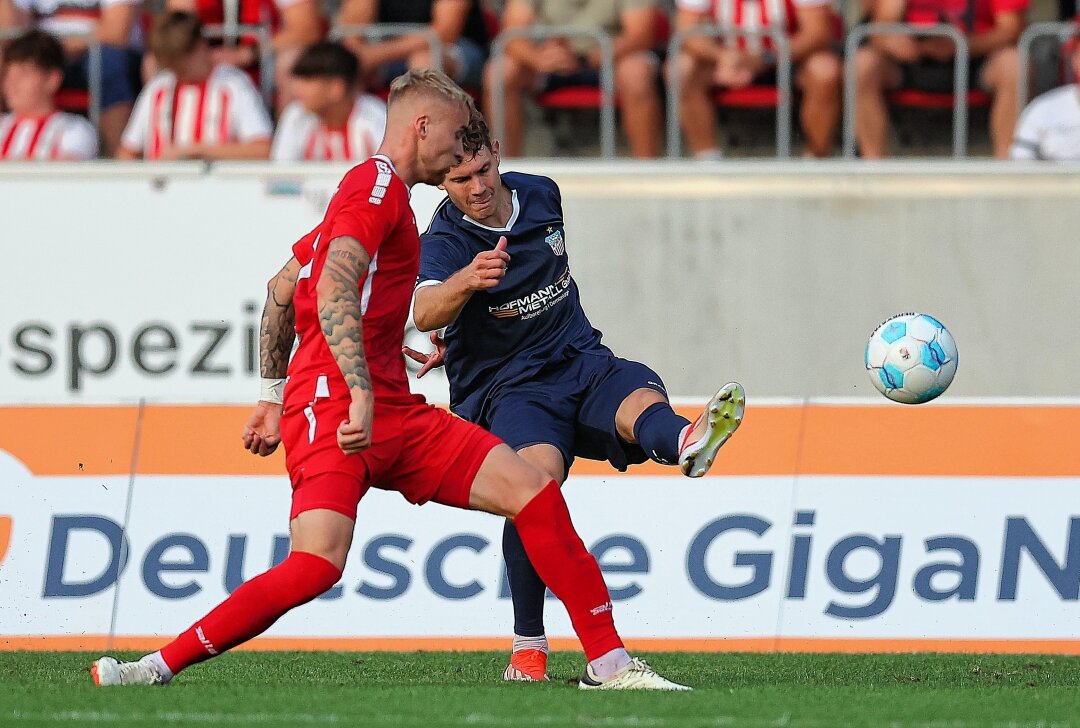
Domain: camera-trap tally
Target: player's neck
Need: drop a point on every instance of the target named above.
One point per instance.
(403, 158)
(503, 210)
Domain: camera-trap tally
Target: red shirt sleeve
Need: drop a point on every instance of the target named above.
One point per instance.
(304, 248)
(368, 223)
(370, 206)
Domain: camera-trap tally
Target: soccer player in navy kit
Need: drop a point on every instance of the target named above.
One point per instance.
(525, 363)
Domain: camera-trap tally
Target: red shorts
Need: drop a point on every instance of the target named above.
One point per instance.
(423, 452)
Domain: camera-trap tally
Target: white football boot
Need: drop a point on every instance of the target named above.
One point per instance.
(722, 416)
(108, 671)
(637, 675)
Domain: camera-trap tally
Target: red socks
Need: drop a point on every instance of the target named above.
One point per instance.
(569, 570)
(252, 608)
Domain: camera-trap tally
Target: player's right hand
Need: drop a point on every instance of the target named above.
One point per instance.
(488, 268)
(428, 361)
(354, 434)
(262, 433)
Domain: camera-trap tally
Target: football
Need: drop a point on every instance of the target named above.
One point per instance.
(911, 358)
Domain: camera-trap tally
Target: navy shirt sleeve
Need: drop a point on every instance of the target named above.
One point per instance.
(442, 251)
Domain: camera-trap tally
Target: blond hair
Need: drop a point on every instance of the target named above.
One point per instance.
(428, 82)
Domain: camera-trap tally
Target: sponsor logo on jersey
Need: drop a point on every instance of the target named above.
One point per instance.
(535, 303)
(555, 240)
(605, 607)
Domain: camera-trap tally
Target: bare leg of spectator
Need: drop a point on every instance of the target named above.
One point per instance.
(874, 74)
(113, 121)
(819, 80)
(1000, 75)
(697, 113)
(422, 59)
(639, 103)
(518, 81)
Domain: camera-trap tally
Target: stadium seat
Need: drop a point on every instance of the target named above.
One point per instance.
(751, 97)
(916, 99)
(73, 100)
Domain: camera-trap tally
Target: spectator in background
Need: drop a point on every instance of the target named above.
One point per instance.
(575, 61)
(458, 23)
(1049, 128)
(34, 129)
(890, 62)
(294, 25)
(707, 62)
(331, 120)
(194, 108)
(115, 25)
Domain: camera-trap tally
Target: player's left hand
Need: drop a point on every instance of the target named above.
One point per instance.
(428, 361)
(262, 433)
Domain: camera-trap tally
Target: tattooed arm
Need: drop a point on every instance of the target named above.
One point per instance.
(338, 292)
(262, 434)
(278, 329)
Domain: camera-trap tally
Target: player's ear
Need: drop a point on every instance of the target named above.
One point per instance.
(422, 126)
(495, 151)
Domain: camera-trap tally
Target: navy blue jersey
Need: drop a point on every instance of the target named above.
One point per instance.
(532, 320)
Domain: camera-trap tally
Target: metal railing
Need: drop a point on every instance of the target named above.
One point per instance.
(93, 67)
(382, 31)
(543, 32)
(862, 31)
(1060, 30)
(231, 32)
(783, 82)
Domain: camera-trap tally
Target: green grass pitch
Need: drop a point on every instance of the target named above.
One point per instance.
(464, 689)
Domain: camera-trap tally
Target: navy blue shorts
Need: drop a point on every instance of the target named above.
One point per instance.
(572, 407)
(120, 68)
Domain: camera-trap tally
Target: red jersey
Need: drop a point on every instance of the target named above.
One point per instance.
(372, 206)
(752, 15)
(957, 12)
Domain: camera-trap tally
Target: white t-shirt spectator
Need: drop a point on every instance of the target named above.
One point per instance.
(58, 136)
(74, 16)
(1049, 128)
(301, 136)
(225, 107)
(752, 15)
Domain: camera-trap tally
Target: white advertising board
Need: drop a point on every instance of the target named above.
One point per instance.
(743, 557)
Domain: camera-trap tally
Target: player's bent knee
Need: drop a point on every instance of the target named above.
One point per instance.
(505, 483)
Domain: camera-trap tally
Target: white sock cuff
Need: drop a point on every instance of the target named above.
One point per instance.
(155, 659)
(531, 643)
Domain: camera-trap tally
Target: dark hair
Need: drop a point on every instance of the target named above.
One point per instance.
(37, 47)
(175, 35)
(327, 60)
(477, 135)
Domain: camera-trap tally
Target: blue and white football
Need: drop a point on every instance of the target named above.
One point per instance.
(911, 358)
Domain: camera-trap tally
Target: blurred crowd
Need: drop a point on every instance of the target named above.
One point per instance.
(294, 80)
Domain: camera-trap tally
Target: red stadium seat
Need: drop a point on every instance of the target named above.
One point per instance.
(572, 97)
(74, 100)
(915, 99)
(751, 97)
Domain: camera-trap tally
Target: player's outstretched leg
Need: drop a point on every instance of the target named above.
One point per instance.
(252, 608)
(528, 660)
(713, 427)
(507, 485)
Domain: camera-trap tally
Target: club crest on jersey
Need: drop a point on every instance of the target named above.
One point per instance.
(555, 240)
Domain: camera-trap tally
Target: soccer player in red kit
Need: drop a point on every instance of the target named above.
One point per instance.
(349, 422)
